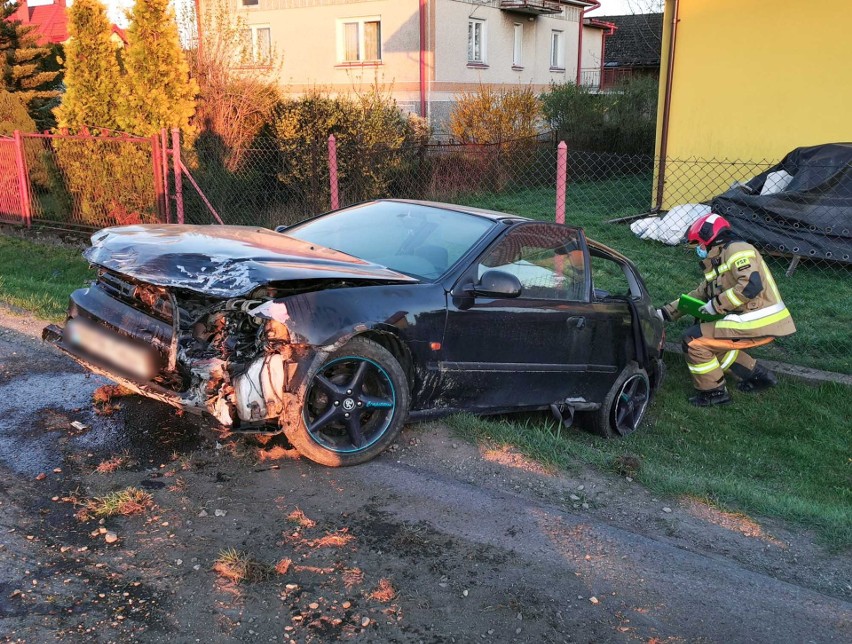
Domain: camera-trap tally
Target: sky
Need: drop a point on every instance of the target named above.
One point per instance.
(622, 7)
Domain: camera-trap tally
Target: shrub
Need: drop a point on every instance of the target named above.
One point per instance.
(501, 117)
(375, 141)
(622, 121)
(505, 122)
(237, 95)
(14, 116)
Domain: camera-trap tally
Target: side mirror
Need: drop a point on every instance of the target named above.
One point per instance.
(498, 284)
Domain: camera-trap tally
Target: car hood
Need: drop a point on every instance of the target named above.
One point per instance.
(223, 261)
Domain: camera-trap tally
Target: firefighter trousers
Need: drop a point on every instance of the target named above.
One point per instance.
(709, 358)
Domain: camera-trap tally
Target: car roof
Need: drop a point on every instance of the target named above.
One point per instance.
(480, 212)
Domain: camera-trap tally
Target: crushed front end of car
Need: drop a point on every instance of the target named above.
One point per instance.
(201, 354)
(196, 317)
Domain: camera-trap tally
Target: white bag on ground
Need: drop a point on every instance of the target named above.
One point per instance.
(670, 228)
(776, 182)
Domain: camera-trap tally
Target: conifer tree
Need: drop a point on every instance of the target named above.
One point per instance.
(93, 78)
(13, 115)
(160, 92)
(27, 69)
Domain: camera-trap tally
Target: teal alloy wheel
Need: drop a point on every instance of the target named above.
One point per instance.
(353, 405)
(630, 404)
(350, 404)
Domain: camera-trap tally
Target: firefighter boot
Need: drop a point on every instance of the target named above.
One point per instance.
(759, 379)
(717, 396)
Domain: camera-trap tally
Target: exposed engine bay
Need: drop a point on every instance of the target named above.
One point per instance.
(232, 358)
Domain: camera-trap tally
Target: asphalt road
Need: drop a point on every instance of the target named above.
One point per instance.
(477, 544)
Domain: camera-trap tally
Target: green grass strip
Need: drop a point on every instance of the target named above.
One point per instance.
(784, 453)
(40, 277)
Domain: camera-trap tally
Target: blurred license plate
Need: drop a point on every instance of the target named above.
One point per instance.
(111, 348)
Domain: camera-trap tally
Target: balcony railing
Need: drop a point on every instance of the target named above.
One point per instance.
(605, 79)
(534, 7)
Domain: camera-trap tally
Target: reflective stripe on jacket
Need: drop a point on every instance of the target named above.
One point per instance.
(740, 285)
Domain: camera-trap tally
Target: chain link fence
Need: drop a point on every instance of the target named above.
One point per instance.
(80, 180)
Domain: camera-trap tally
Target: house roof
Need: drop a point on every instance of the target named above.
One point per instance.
(118, 31)
(600, 24)
(50, 21)
(637, 41)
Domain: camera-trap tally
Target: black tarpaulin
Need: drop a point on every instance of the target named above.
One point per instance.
(811, 217)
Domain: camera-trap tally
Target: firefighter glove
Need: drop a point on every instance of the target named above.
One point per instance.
(708, 308)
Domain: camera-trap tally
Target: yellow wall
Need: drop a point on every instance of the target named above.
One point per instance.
(754, 79)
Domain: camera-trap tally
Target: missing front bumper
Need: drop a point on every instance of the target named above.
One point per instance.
(54, 334)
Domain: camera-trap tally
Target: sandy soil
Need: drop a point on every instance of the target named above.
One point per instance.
(437, 540)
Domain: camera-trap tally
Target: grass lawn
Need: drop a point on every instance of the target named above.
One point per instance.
(784, 453)
(822, 316)
(40, 277)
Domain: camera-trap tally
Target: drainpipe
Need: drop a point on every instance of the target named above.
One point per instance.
(594, 5)
(667, 107)
(423, 36)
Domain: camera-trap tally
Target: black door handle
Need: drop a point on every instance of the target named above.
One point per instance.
(577, 321)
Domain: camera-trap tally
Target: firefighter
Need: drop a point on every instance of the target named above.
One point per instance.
(738, 285)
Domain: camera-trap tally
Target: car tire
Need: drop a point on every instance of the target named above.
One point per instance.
(624, 407)
(342, 422)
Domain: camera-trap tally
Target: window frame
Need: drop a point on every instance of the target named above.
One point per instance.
(361, 22)
(585, 287)
(253, 30)
(518, 46)
(557, 50)
(472, 24)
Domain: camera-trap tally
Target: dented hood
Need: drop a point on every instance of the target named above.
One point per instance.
(223, 261)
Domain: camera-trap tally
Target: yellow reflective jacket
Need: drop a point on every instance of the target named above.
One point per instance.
(740, 285)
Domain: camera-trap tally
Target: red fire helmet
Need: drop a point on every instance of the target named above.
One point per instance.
(706, 229)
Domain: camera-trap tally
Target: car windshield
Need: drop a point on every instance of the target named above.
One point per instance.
(417, 240)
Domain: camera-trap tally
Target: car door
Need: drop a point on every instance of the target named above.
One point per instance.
(503, 352)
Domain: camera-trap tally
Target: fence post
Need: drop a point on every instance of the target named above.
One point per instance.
(164, 168)
(561, 180)
(23, 180)
(332, 172)
(156, 159)
(178, 177)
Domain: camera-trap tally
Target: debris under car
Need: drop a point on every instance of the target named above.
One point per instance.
(337, 330)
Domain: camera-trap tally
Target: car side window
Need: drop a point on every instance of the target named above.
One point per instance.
(610, 278)
(547, 259)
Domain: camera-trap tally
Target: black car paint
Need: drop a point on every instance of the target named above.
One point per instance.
(494, 354)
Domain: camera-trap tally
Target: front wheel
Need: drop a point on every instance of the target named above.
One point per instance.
(625, 405)
(353, 406)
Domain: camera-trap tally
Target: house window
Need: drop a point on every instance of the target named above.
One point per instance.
(518, 49)
(258, 43)
(556, 50)
(476, 41)
(359, 40)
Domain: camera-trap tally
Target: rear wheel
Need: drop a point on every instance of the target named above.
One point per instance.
(353, 407)
(625, 405)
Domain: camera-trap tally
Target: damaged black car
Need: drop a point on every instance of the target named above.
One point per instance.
(337, 330)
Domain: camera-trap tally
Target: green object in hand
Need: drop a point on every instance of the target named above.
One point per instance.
(692, 306)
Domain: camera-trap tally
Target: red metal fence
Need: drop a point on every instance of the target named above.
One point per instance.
(92, 181)
(14, 186)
